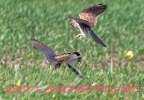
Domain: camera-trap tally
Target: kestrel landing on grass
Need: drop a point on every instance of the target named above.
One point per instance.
(88, 20)
(57, 60)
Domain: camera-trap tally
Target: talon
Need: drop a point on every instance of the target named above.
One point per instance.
(79, 36)
(53, 68)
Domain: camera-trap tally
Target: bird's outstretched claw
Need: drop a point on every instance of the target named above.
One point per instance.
(79, 36)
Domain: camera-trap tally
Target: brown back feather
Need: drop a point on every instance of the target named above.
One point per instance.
(90, 14)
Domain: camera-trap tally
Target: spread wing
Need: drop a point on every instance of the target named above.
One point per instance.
(96, 38)
(90, 14)
(42, 47)
(76, 71)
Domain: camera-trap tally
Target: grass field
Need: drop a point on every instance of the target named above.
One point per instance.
(121, 27)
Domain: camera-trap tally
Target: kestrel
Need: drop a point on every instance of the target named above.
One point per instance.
(57, 60)
(87, 20)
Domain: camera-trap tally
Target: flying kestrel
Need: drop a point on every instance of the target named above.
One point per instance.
(57, 60)
(87, 20)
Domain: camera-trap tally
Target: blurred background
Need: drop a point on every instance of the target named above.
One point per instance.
(121, 27)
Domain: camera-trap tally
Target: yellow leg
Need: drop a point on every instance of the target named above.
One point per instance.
(79, 36)
(53, 67)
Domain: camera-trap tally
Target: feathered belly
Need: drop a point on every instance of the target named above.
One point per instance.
(51, 61)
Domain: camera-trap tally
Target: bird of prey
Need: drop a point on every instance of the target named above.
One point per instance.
(87, 20)
(57, 60)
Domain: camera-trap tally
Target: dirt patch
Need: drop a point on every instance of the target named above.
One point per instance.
(113, 60)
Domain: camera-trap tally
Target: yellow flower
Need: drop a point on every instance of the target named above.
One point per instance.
(140, 74)
(18, 83)
(28, 56)
(129, 55)
(113, 73)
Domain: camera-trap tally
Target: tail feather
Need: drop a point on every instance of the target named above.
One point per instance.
(96, 38)
(79, 59)
(76, 71)
(74, 57)
(77, 53)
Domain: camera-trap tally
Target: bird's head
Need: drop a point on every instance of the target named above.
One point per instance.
(69, 18)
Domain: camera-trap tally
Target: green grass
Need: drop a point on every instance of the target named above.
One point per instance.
(121, 27)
